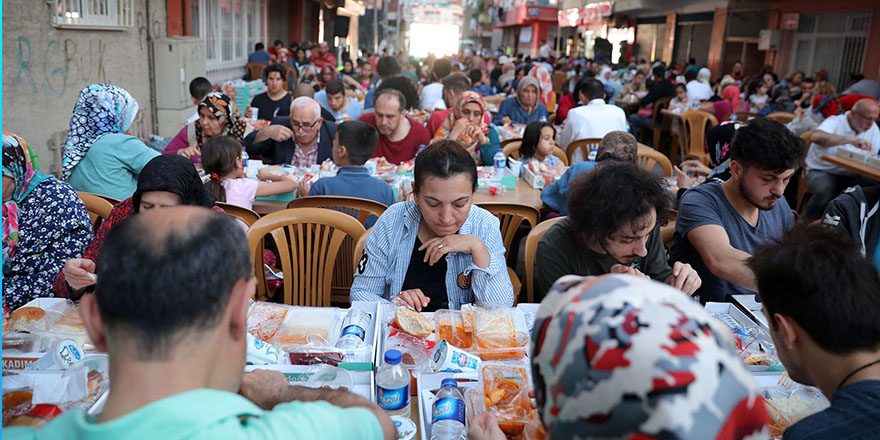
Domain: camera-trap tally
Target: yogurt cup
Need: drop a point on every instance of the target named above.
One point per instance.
(447, 357)
(406, 429)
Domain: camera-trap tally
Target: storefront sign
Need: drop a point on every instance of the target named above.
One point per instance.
(790, 21)
(568, 17)
(534, 12)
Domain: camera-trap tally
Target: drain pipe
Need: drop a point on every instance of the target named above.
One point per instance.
(151, 68)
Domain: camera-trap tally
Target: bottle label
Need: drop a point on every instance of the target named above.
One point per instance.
(447, 408)
(354, 330)
(393, 399)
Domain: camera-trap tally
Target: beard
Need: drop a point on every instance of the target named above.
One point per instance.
(765, 204)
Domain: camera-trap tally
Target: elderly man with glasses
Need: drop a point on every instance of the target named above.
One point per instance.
(302, 139)
(855, 128)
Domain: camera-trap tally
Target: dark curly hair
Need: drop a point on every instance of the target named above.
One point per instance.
(768, 145)
(405, 86)
(613, 194)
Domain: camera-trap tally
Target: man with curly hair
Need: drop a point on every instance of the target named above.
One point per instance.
(613, 226)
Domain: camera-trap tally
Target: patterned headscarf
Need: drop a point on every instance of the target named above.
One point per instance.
(22, 165)
(99, 109)
(466, 97)
(624, 357)
(545, 83)
(223, 109)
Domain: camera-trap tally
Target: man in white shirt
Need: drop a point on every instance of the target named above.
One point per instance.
(432, 94)
(596, 118)
(698, 87)
(855, 128)
(544, 50)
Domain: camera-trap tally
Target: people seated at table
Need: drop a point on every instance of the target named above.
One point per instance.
(354, 145)
(736, 72)
(822, 298)
(438, 250)
(386, 67)
(224, 166)
(454, 85)
(564, 105)
(613, 226)
(718, 139)
(538, 142)
(623, 357)
(302, 139)
(199, 87)
(400, 136)
(594, 119)
(698, 87)
(218, 116)
(177, 360)
(637, 85)
(309, 75)
(431, 97)
(325, 75)
(260, 55)
(322, 58)
(662, 88)
(299, 59)
(99, 156)
(273, 102)
(466, 124)
(480, 82)
(681, 102)
(856, 128)
(719, 224)
(757, 99)
(546, 95)
(167, 180)
(44, 224)
(406, 86)
(615, 146)
(334, 99)
(524, 107)
(308, 91)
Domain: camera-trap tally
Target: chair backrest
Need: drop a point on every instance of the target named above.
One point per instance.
(781, 117)
(659, 105)
(248, 216)
(255, 70)
(308, 241)
(695, 124)
(109, 199)
(531, 246)
(359, 247)
(98, 208)
(561, 155)
(361, 209)
(290, 75)
(806, 137)
(584, 145)
(511, 216)
(511, 149)
(648, 157)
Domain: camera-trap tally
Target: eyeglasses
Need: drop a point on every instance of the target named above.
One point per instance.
(865, 118)
(298, 126)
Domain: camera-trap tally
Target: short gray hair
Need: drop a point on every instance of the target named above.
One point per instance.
(308, 103)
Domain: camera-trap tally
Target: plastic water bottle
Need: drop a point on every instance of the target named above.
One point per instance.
(733, 117)
(421, 147)
(392, 385)
(448, 413)
(500, 161)
(244, 157)
(593, 152)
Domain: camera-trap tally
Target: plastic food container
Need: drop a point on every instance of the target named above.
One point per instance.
(326, 375)
(788, 406)
(62, 321)
(506, 395)
(264, 319)
(499, 332)
(456, 327)
(307, 326)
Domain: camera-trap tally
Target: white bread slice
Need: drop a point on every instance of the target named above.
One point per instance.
(413, 322)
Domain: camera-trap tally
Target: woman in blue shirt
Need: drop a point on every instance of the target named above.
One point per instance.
(524, 107)
(438, 250)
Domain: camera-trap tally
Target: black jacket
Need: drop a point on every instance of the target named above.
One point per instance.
(661, 89)
(855, 212)
(279, 153)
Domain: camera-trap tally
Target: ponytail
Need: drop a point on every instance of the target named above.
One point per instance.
(218, 159)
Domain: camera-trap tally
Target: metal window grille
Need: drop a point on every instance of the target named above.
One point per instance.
(835, 42)
(93, 14)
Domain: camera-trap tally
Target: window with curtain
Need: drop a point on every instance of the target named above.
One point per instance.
(230, 29)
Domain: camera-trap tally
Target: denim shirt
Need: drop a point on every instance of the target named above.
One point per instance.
(380, 274)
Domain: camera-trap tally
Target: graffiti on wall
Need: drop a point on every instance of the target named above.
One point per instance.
(55, 64)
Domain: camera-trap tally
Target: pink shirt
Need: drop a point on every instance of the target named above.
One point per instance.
(240, 192)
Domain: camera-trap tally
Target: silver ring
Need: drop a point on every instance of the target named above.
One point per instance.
(440, 246)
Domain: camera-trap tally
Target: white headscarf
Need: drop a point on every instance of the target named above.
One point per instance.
(704, 75)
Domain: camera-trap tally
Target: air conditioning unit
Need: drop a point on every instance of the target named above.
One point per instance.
(768, 39)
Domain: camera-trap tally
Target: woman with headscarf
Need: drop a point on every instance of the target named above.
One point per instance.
(622, 357)
(524, 107)
(44, 224)
(730, 103)
(100, 156)
(700, 89)
(218, 116)
(612, 85)
(167, 180)
(467, 125)
(545, 83)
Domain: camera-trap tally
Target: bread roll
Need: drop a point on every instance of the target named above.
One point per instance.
(413, 323)
(21, 319)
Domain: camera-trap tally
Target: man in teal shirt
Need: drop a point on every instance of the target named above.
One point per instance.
(174, 328)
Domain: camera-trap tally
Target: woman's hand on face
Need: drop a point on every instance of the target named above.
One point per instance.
(190, 152)
(80, 273)
(436, 248)
(413, 298)
(458, 128)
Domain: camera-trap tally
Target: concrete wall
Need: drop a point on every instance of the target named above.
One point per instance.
(44, 68)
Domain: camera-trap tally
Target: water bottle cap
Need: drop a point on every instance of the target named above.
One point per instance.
(392, 357)
(449, 381)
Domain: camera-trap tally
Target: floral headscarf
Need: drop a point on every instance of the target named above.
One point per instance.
(466, 97)
(22, 165)
(545, 83)
(618, 356)
(222, 107)
(99, 109)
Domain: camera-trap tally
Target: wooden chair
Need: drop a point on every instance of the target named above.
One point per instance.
(98, 208)
(360, 209)
(511, 148)
(507, 142)
(531, 247)
(656, 128)
(802, 190)
(781, 117)
(649, 157)
(512, 216)
(308, 242)
(695, 124)
(109, 199)
(584, 145)
(248, 216)
(256, 70)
